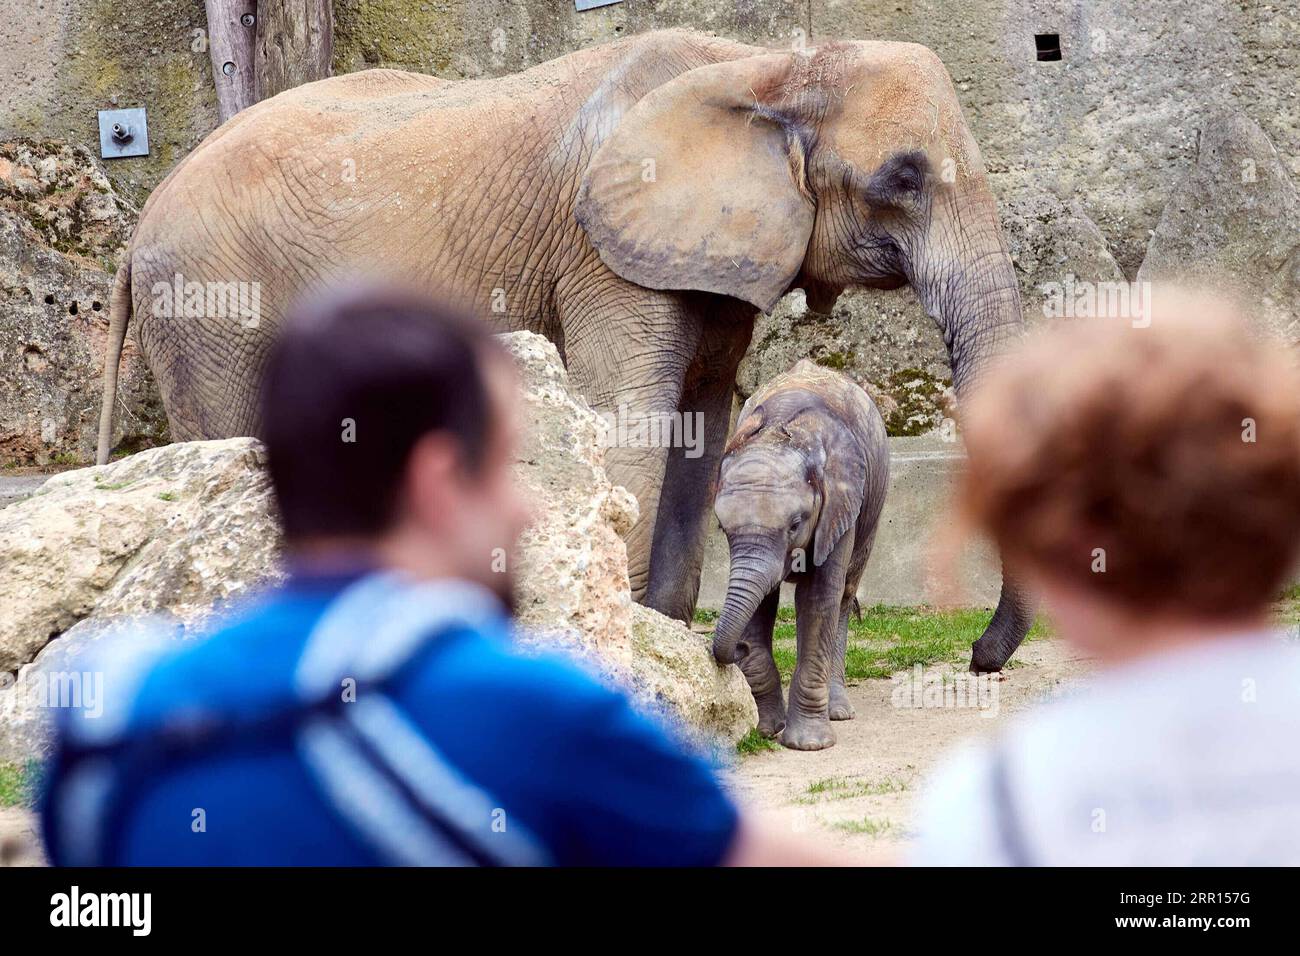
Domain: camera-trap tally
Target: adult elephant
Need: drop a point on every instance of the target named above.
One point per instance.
(636, 202)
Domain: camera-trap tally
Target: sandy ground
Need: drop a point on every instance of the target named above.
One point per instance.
(860, 794)
(19, 844)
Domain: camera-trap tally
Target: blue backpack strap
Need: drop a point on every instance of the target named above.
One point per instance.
(373, 764)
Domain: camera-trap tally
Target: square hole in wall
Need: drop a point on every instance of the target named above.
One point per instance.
(1048, 45)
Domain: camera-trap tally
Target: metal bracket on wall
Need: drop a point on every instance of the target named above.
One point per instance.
(593, 4)
(123, 133)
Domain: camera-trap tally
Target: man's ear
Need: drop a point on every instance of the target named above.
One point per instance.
(432, 469)
(899, 182)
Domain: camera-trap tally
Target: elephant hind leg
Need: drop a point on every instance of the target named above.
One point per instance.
(840, 708)
(209, 365)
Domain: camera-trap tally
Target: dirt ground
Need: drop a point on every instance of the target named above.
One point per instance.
(860, 794)
(19, 844)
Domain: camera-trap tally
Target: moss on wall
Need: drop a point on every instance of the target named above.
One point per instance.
(123, 56)
(913, 402)
(419, 35)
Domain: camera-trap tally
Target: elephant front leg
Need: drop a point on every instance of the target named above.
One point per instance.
(760, 669)
(1011, 621)
(840, 708)
(627, 350)
(686, 501)
(817, 603)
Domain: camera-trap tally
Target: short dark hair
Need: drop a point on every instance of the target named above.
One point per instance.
(356, 379)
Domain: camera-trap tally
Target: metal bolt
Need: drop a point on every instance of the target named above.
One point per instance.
(121, 134)
(248, 19)
(228, 68)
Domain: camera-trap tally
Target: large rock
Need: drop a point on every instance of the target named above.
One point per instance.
(572, 584)
(179, 529)
(1234, 222)
(172, 533)
(1055, 247)
(62, 228)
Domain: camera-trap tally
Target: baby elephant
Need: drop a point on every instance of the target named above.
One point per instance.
(800, 490)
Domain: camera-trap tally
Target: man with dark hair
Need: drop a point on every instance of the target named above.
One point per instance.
(371, 710)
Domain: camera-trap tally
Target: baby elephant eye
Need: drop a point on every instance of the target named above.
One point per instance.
(794, 525)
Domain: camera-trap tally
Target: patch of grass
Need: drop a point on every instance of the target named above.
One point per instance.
(919, 402)
(755, 743)
(866, 825)
(168, 496)
(18, 784)
(102, 485)
(1288, 609)
(705, 616)
(890, 639)
(846, 788)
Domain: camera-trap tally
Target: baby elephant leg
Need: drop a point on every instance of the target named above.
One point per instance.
(808, 725)
(760, 669)
(840, 708)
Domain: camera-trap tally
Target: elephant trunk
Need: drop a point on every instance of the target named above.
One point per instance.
(976, 304)
(972, 292)
(754, 575)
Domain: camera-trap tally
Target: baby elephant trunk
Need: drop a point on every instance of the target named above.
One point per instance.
(755, 573)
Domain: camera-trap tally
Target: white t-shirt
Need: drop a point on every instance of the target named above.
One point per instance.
(1188, 758)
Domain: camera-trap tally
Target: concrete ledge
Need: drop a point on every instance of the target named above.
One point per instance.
(901, 569)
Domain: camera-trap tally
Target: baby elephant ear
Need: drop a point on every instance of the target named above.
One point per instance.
(748, 423)
(842, 478)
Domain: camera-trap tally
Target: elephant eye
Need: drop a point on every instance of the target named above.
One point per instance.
(794, 525)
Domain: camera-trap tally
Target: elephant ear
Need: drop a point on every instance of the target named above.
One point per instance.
(748, 423)
(701, 186)
(841, 479)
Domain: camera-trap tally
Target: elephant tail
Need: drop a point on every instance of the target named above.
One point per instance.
(119, 314)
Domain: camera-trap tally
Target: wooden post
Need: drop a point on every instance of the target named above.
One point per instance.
(232, 28)
(295, 44)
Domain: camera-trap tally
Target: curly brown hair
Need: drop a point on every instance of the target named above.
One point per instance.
(1156, 466)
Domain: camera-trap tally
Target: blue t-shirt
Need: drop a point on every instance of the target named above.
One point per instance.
(368, 720)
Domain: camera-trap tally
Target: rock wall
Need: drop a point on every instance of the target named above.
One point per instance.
(62, 227)
(178, 533)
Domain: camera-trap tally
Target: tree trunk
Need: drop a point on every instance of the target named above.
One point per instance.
(231, 31)
(295, 44)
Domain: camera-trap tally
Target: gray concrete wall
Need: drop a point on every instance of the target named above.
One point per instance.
(1113, 122)
(903, 569)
